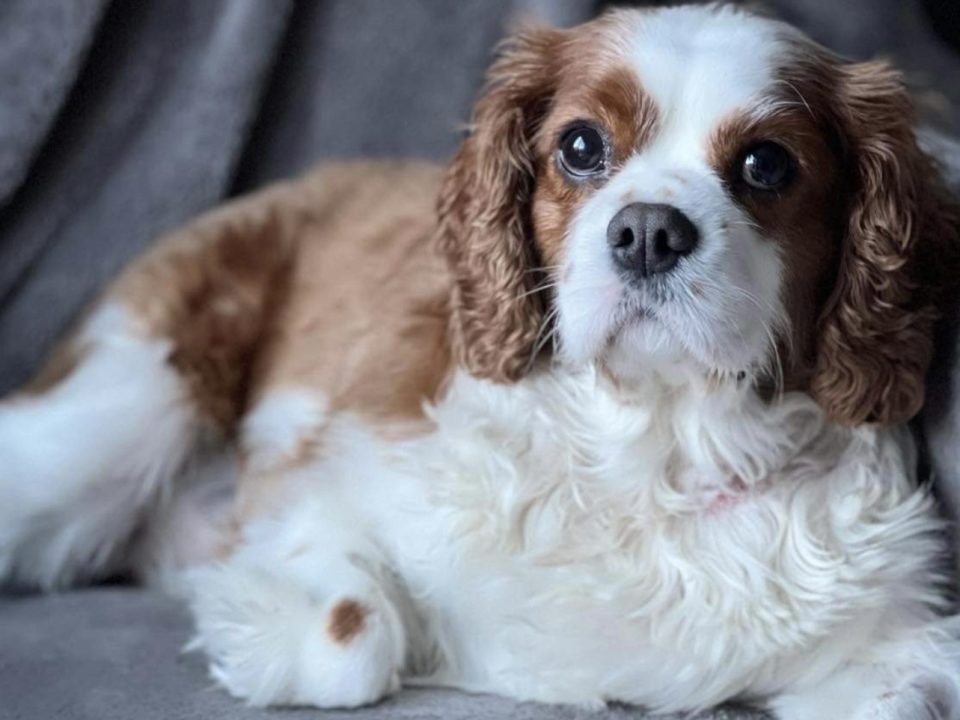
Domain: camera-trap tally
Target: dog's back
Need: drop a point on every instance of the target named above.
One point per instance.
(312, 283)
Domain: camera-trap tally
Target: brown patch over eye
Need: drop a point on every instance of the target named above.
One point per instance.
(802, 214)
(622, 106)
(609, 99)
(613, 101)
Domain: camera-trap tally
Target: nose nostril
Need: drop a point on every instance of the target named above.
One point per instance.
(683, 234)
(661, 243)
(626, 238)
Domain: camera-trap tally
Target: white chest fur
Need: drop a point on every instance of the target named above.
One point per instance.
(669, 545)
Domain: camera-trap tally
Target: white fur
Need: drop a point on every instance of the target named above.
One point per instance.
(81, 462)
(264, 626)
(189, 523)
(275, 428)
(560, 540)
(665, 539)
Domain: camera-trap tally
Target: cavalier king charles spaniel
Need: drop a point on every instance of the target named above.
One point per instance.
(612, 409)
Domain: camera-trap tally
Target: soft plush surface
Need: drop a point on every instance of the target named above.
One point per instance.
(121, 120)
(115, 654)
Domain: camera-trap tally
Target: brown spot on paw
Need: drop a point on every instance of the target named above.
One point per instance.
(347, 620)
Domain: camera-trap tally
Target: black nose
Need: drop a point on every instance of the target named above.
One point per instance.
(646, 239)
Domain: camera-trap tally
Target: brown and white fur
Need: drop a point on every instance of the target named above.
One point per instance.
(466, 450)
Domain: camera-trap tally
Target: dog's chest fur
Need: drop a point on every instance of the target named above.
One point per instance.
(554, 543)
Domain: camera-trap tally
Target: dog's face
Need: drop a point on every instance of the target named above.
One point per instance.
(704, 187)
(678, 182)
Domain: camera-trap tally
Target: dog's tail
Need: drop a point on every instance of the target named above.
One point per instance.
(140, 396)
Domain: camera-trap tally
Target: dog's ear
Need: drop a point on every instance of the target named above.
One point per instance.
(484, 213)
(875, 334)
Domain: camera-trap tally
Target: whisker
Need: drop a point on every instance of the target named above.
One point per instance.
(546, 338)
(745, 223)
(552, 285)
(777, 370)
(543, 269)
(538, 342)
(535, 290)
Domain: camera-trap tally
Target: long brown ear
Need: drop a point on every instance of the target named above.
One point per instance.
(484, 213)
(876, 330)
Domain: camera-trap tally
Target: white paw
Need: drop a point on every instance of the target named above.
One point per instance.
(272, 642)
(863, 694)
(923, 699)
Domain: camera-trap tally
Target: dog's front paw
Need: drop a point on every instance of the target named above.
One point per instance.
(929, 698)
(874, 693)
(271, 642)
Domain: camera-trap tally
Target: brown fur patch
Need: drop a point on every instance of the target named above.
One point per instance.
(898, 257)
(329, 283)
(804, 219)
(210, 289)
(364, 316)
(504, 208)
(870, 236)
(614, 100)
(347, 620)
(365, 313)
(484, 233)
(900, 253)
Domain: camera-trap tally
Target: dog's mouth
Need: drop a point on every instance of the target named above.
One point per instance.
(643, 332)
(629, 313)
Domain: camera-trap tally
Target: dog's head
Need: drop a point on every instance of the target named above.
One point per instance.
(698, 186)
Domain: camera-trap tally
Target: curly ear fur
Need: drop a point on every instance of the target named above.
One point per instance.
(876, 330)
(484, 214)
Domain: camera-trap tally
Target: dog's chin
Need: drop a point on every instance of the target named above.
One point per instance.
(644, 344)
(640, 346)
(634, 336)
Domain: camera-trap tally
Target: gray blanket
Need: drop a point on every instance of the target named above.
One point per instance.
(120, 120)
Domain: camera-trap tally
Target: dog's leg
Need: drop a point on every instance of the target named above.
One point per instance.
(920, 682)
(303, 613)
(160, 363)
(79, 461)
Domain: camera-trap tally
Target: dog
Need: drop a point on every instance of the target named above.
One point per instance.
(613, 408)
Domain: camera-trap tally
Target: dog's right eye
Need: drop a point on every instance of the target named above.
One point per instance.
(583, 151)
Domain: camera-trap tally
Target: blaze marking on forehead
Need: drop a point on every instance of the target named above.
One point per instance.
(698, 65)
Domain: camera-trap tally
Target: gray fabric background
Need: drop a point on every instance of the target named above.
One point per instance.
(120, 120)
(115, 654)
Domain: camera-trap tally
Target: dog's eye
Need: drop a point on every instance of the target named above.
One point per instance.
(767, 166)
(582, 151)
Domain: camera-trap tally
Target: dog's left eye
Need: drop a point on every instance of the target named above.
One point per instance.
(582, 151)
(767, 166)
